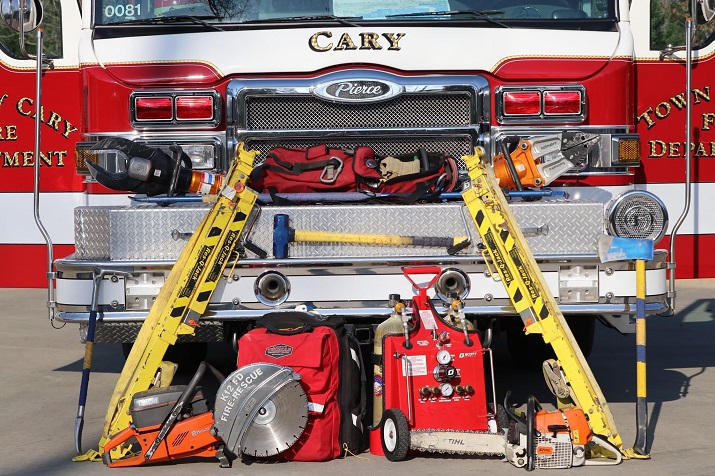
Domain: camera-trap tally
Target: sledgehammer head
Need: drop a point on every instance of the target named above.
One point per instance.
(282, 235)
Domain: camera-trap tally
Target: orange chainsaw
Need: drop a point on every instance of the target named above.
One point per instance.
(554, 439)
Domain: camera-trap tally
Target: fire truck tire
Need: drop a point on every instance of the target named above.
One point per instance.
(395, 434)
(188, 355)
(531, 350)
(584, 330)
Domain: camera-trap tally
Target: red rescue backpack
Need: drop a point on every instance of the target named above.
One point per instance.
(327, 358)
(408, 177)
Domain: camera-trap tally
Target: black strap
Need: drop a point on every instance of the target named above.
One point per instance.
(290, 168)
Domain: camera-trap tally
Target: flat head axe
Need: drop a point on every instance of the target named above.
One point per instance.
(613, 248)
(283, 234)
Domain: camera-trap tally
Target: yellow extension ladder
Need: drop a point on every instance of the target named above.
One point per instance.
(506, 250)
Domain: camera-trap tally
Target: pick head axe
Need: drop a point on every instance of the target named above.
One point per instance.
(283, 234)
(98, 276)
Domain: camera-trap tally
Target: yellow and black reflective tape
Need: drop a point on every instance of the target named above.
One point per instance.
(177, 311)
(228, 243)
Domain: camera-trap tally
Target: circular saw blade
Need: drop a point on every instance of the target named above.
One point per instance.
(261, 407)
(278, 423)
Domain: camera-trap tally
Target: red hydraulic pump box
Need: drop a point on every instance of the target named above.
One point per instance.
(433, 372)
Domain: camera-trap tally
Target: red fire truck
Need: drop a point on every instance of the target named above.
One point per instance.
(443, 75)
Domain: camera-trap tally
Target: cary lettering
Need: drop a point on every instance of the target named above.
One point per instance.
(323, 41)
(54, 119)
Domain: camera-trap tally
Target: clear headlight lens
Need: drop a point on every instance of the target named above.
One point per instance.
(202, 155)
(637, 214)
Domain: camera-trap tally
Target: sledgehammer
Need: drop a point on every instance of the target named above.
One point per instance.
(283, 234)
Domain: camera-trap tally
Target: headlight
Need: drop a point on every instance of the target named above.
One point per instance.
(203, 156)
(637, 214)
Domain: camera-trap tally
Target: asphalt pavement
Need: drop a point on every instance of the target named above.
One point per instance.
(41, 371)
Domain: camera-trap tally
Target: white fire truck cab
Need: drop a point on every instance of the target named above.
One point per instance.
(394, 75)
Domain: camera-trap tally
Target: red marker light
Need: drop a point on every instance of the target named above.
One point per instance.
(562, 102)
(521, 103)
(194, 108)
(153, 108)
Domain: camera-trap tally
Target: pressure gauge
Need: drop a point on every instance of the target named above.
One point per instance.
(446, 390)
(444, 357)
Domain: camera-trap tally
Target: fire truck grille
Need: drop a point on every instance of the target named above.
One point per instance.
(286, 112)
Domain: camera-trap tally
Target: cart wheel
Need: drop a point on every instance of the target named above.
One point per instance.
(395, 435)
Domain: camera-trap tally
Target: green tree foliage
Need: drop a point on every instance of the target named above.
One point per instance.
(51, 37)
(667, 25)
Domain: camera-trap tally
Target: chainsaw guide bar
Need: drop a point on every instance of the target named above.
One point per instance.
(457, 442)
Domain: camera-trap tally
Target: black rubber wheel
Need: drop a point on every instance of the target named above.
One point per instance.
(395, 435)
(531, 350)
(188, 355)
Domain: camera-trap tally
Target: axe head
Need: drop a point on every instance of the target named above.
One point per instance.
(614, 248)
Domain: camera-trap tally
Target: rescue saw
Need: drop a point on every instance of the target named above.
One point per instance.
(260, 410)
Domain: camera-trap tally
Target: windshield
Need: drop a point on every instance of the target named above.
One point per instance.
(203, 12)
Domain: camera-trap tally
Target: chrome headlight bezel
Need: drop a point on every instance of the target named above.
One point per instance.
(637, 214)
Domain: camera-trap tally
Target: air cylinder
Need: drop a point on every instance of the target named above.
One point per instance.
(391, 325)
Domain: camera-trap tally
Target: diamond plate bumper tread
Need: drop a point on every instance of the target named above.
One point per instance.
(152, 232)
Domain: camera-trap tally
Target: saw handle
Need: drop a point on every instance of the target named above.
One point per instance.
(532, 406)
(117, 440)
(181, 402)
